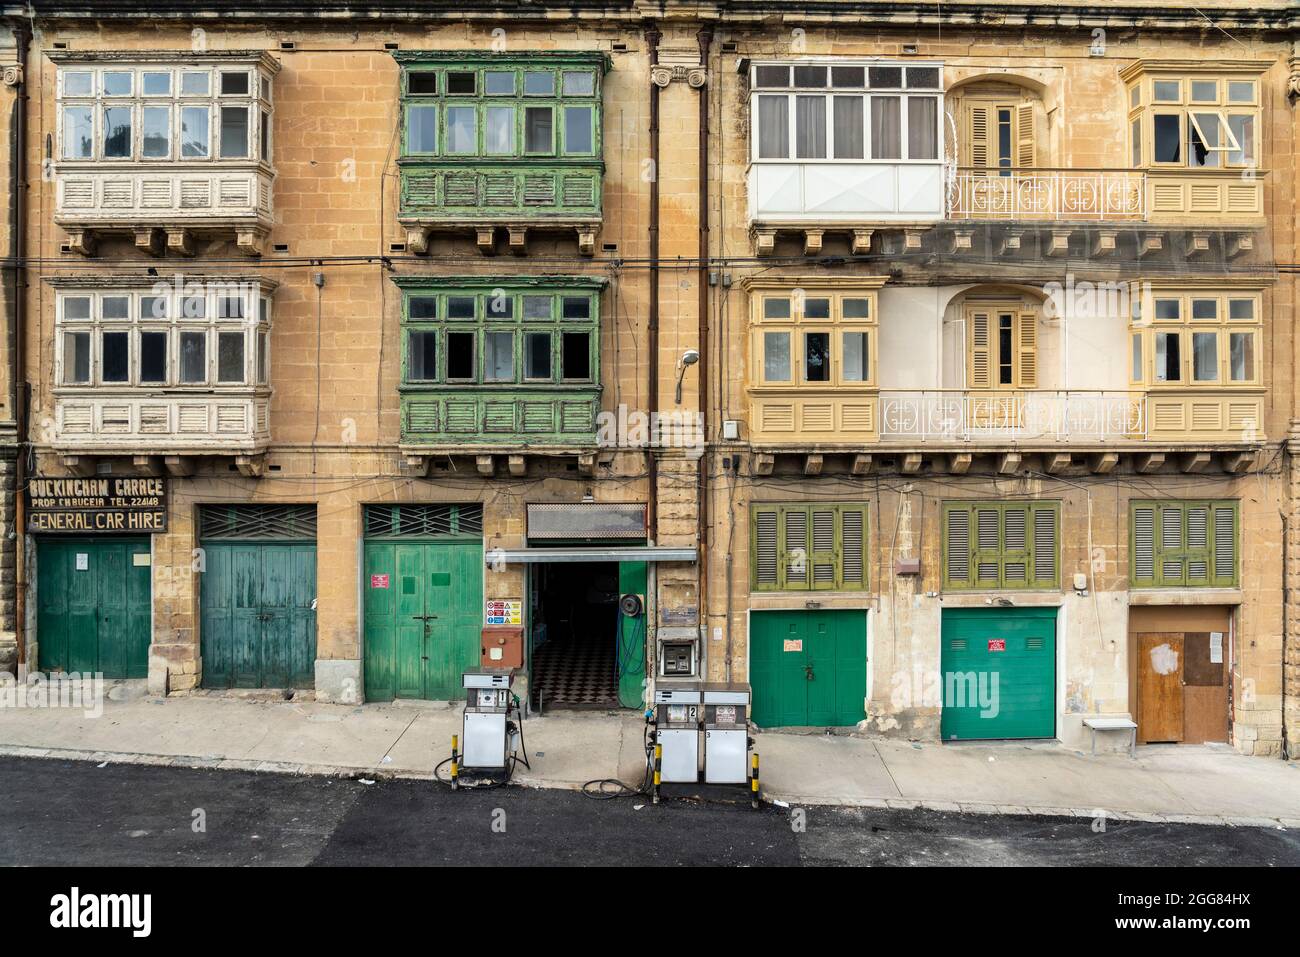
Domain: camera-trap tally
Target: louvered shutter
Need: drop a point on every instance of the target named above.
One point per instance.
(1143, 572)
(986, 556)
(1025, 136)
(824, 556)
(764, 549)
(1046, 546)
(1225, 545)
(853, 547)
(1170, 554)
(1015, 546)
(1027, 345)
(957, 557)
(794, 553)
(1196, 519)
(977, 135)
(981, 364)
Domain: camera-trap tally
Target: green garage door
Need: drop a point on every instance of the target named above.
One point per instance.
(423, 585)
(258, 596)
(999, 673)
(808, 668)
(92, 597)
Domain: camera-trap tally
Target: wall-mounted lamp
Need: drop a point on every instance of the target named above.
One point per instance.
(689, 358)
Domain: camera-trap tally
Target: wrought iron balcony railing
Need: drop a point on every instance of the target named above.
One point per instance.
(966, 416)
(1047, 194)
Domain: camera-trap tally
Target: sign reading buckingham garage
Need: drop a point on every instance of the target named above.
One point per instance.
(81, 505)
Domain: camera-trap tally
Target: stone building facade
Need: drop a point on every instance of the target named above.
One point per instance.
(873, 352)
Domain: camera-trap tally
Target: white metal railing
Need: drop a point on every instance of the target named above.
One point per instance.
(955, 415)
(1047, 194)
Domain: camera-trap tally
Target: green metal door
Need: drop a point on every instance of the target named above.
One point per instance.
(808, 667)
(423, 617)
(93, 605)
(999, 673)
(632, 580)
(258, 617)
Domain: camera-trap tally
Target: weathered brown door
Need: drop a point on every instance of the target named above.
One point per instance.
(1160, 686)
(1205, 687)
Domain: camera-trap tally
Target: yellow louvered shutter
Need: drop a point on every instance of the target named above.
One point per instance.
(977, 134)
(1027, 350)
(981, 352)
(1024, 136)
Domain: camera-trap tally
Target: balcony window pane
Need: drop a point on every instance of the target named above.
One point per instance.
(577, 130)
(422, 83)
(923, 78)
(76, 358)
(1005, 350)
(422, 356)
(537, 307)
(234, 84)
(462, 83)
(194, 307)
(539, 130)
(263, 357)
(194, 132)
(1205, 310)
(577, 307)
(194, 357)
(117, 84)
(460, 355)
(773, 127)
(575, 359)
(1201, 149)
(1167, 91)
(195, 84)
(1241, 91)
(922, 127)
(1205, 356)
(776, 308)
(579, 83)
(855, 357)
(816, 357)
(115, 307)
(856, 308)
(810, 127)
(886, 136)
(115, 356)
(157, 84)
(76, 307)
(117, 132)
(848, 77)
(810, 77)
(234, 132)
(776, 357)
(230, 307)
(499, 83)
(537, 355)
(78, 133)
(770, 77)
(1168, 309)
(539, 84)
(817, 308)
(499, 357)
(1167, 146)
(500, 305)
(230, 357)
(157, 132)
(1241, 356)
(78, 84)
(499, 135)
(1169, 364)
(886, 77)
(426, 307)
(1243, 131)
(460, 307)
(153, 357)
(1135, 142)
(153, 307)
(849, 127)
(462, 134)
(1135, 369)
(1205, 91)
(264, 137)
(1241, 310)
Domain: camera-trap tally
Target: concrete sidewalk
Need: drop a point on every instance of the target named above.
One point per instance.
(1179, 784)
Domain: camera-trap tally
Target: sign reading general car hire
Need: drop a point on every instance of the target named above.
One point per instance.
(99, 505)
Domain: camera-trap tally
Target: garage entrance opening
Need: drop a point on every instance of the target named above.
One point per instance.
(575, 630)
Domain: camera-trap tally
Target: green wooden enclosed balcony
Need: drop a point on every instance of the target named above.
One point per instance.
(497, 363)
(501, 142)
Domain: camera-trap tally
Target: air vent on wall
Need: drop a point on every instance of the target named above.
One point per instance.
(287, 45)
(729, 46)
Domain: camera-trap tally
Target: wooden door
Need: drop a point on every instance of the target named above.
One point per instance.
(1205, 687)
(1160, 686)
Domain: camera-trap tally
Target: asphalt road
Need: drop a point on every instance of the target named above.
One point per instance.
(76, 813)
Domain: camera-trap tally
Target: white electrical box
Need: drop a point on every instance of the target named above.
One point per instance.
(730, 430)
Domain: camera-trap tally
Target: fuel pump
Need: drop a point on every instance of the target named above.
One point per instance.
(491, 729)
(675, 734)
(726, 735)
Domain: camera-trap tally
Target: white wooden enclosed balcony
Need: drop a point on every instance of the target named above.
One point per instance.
(164, 147)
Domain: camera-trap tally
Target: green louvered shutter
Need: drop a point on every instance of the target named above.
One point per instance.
(1183, 544)
(996, 545)
(794, 551)
(1047, 545)
(763, 549)
(1016, 560)
(808, 547)
(1142, 553)
(1227, 535)
(957, 547)
(853, 547)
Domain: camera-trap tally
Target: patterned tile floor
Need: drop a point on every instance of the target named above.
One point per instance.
(576, 673)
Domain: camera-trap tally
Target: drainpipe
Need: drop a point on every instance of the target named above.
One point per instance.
(652, 36)
(702, 536)
(18, 226)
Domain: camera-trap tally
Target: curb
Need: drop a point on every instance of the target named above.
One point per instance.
(211, 762)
